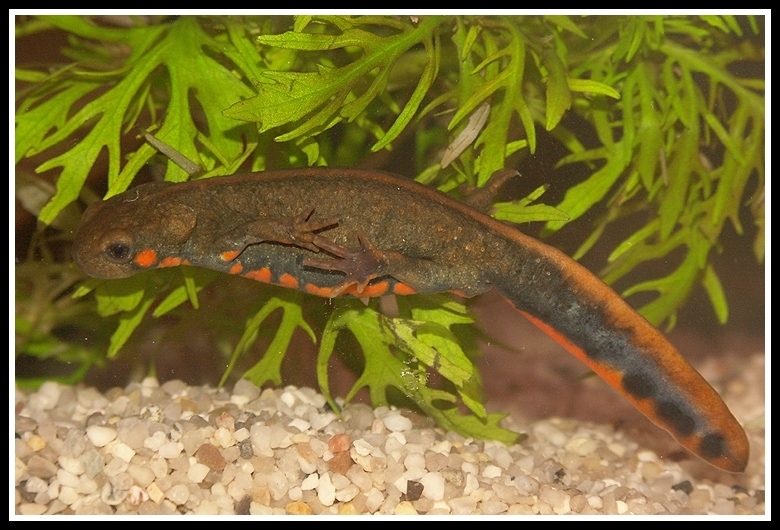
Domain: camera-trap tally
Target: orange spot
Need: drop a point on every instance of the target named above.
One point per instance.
(229, 255)
(185, 262)
(403, 289)
(170, 261)
(325, 292)
(286, 280)
(261, 275)
(377, 289)
(236, 268)
(146, 258)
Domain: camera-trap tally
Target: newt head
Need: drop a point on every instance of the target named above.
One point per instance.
(131, 232)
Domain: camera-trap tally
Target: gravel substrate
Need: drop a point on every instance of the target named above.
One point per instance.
(167, 449)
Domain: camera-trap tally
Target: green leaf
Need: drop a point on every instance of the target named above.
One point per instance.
(286, 97)
(558, 94)
(581, 197)
(566, 23)
(378, 336)
(269, 367)
(127, 324)
(717, 295)
(178, 49)
(588, 86)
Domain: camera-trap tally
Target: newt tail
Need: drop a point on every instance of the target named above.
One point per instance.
(332, 232)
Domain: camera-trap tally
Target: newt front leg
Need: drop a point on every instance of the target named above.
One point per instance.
(299, 230)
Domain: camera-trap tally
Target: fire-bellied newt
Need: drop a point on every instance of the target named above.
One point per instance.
(332, 232)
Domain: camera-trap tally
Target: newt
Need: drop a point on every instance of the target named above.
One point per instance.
(331, 232)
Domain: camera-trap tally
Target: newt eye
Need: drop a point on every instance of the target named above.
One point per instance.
(118, 252)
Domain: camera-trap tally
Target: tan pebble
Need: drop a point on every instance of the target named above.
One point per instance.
(298, 508)
(339, 443)
(340, 463)
(155, 493)
(348, 509)
(206, 508)
(260, 509)
(226, 421)
(36, 443)
(723, 507)
(520, 509)
(404, 508)
(306, 452)
(210, 456)
(699, 500)
(260, 494)
(650, 471)
(378, 427)
(29, 508)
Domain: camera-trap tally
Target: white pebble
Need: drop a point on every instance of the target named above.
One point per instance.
(123, 452)
(547, 432)
(36, 485)
(556, 499)
(491, 471)
(395, 422)
(300, 424)
(141, 475)
(86, 486)
(155, 441)
(326, 493)
(241, 434)
(171, 450)
(223, 437)
(347, 494)
(310, 482)
(374, 500)
(433, 486)
(68, 495)
(206, 507)
(581, 446)
(288, 399)
(197, 472)
(493, 507)
(414, 461)
(179, 494)
(295, 493)
(46, 397)
(71, 465)
(463, 505)
(472, 484)
(67, 479)
(362, 447)
(100, 436)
